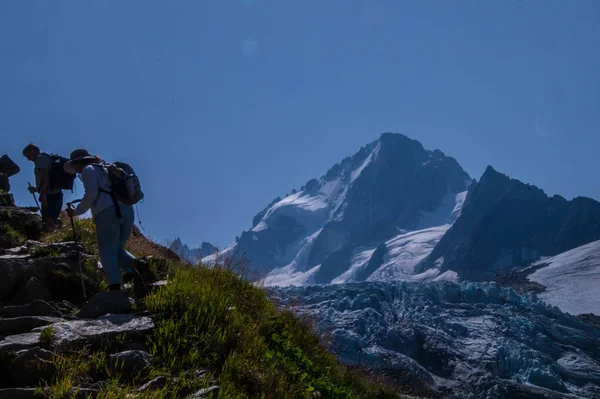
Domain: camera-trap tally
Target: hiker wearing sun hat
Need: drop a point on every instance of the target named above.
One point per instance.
(113, 219)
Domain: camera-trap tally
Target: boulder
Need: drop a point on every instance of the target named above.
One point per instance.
(7, 282)
(23, 220)
(6, 199)
(21, 341)
(130, 363)
(94, 332)
(116, 302)
(157, 383)
(17, 325)
(31, 366)
(35, 308)
(205, 392)
(34, 289)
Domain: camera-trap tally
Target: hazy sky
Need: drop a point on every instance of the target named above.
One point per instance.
(223, 105)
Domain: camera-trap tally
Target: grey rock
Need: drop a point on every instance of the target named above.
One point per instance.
(136, 346)
(53, 249)
(23, 220)
(34, 289)
(156, 383)
(19, 393)
(99, 385)
(24, 324)
(107, 327)
(35, 308)
(130, 363)
(20, 341)
(7, 282)
(204, 392)
(32, 366)
(9, 256)
(115, 302)
(16, 251)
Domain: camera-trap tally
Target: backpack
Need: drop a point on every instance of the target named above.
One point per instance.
(58, 177)
(124, 183)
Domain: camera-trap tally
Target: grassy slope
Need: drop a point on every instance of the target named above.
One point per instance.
(210, 319)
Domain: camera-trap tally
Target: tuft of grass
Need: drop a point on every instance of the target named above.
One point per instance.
(9, 237)
(86, 235)
(46, 336)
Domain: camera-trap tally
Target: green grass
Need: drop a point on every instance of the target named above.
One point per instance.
(9, 237)
(46, 336)
(211, 319)
(86, 235)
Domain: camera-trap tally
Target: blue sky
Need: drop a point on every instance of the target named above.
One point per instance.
(221, 106)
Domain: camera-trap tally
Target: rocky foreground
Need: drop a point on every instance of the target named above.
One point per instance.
(44, 318)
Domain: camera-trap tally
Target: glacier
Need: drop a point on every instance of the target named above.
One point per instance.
(454, 340)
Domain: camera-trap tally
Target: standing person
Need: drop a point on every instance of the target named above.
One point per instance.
(51, 196)
(112, 228)
(7, 169)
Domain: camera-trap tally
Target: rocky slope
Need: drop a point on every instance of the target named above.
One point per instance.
(331, 228)
(469, 340)
(506, 223)
(44, 317)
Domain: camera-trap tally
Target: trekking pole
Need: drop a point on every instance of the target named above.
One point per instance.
(35, 199)
(70, 206)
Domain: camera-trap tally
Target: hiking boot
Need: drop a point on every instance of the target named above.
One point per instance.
(129, 275)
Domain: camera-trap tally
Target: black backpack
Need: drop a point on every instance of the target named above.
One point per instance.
(58, 177)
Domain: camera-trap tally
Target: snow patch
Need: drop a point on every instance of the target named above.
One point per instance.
(357, 262)
(405, 251)
(572, 279)
(288, 277)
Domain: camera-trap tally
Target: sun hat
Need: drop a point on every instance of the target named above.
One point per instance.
(77, 156)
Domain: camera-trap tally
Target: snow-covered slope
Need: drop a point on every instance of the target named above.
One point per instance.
(467, 340)
(572, 279)
(383, 208)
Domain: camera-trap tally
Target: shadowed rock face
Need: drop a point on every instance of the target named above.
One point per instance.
(506, 223)
(468, 340)
(363, 201)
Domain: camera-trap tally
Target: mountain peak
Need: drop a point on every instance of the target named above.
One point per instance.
(389, 185)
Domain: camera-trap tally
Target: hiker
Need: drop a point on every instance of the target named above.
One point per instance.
(50, 180)
(7, 169)
(113, 226)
